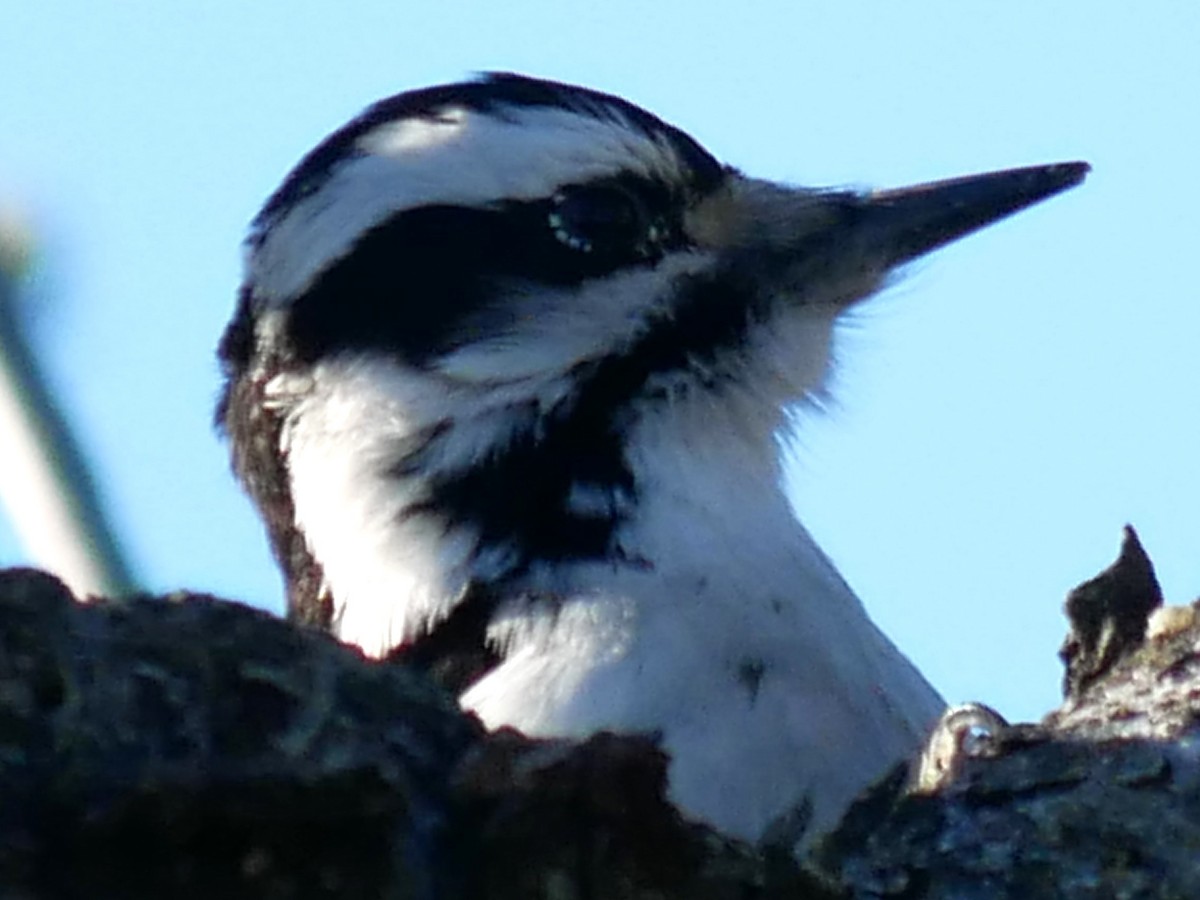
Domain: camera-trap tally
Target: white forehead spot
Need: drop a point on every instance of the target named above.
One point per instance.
(412, 136)
(461, 158)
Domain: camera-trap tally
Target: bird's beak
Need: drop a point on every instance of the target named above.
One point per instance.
(902, 224)
(843, 242)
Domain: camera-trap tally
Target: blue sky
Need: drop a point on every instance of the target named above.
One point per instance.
(1003, 410)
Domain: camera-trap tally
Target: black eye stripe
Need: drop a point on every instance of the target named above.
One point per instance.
(408, 282)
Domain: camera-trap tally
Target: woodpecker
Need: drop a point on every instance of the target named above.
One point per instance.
(506, 380)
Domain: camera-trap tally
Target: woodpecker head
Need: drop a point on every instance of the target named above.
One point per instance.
(461, 305)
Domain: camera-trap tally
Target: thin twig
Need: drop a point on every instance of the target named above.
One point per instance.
(45, 483)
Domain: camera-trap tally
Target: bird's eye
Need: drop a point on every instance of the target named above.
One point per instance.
(606, 219)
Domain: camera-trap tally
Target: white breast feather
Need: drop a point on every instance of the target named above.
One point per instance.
(736, 582)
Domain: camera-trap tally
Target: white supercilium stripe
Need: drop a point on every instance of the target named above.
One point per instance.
(464, 157)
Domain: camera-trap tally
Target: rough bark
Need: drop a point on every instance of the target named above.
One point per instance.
(186, 746)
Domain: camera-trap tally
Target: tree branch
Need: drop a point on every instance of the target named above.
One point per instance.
(187, 746)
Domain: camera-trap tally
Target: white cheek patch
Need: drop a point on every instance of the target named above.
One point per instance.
(554, 330)
(462, 158)
(394, 569)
